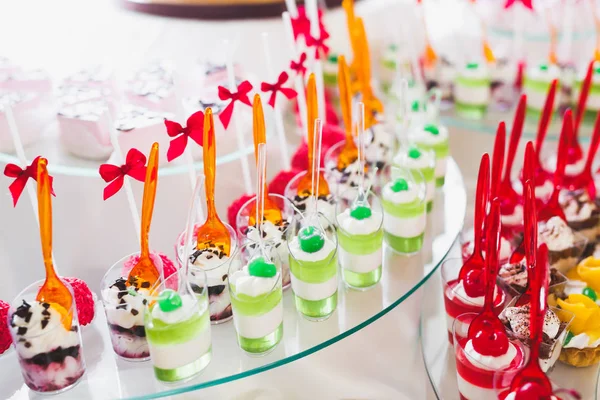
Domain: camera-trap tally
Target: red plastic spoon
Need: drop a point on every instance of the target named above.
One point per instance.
(486, 330)
(531, 382)
(543, 128)
(552, 207)
(575, 153)
(529, 241)
(585, 179)
(498, 160)
(470, 272)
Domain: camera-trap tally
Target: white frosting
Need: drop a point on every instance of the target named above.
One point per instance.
(426, 160)
(401, 197)
(40, 336)
(327, 208)
(556, 234)
(274, 235)
(360, 263)
(537, 74)
(514, 219)
(324, 253)
(257, 326)
(251, 285)
(428, 138)
(481, 72)
(119, 310)
(188, 302)
(214, 266)
(491, 363)
(314, 291)
(519, 317)
(582, 341)
(570, 169)
(364, 226)
(405, 227)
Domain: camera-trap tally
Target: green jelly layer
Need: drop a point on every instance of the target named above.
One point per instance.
(389, 64)
(361, 280)
(263, 344)
(314, 272)
(251, 306)
(161, 333)
(537, 86)
(360, 244)
(471, 111)
(404, 210)
(405, 245)
(185, 372)
(439, 182)
(329, 79)
(317, 309)
(428, 173)
(441, 149)
(461, 80)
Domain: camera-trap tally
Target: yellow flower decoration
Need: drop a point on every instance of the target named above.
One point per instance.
(588, 271)
(586, 315)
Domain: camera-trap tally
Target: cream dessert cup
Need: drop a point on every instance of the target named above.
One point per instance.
(536, 85)
(178, 328)
(274, 234)
(419, 162)
(435, 138)
(360, 236)
(325, 204)
(565, 247)
(125, 306)
(313, 266)
(404, 209)
(592, 105)
(256, 298)
(50, 354)
(214, 262)
(479, 376)
(472, 90)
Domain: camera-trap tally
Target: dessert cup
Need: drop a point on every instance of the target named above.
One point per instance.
(330, 72)
(434, 138)
(125, 306)
(214, 263)
(480, 376)
(360, 251)
(457, 302)
(314, 275)
(466, 243)
(341, 181)
(32, 112)
(274, 234)
(582, 213)
(472, 91)
(257, 301)
(85, 131)
(178, 328)
(405, 216)
(536, 85)
(419, 161)
(565, 247)
(50, 354)
(516, 319)
(379, 149)
(513, 279)
(325, 204)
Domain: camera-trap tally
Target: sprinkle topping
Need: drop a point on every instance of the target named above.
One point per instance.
(169, 300)
(261, 268)
(311, 239)
(399, 185)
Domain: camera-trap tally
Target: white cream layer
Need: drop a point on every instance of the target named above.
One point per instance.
(491, 363)
(257, 326)
(360, 263)
(472, 95)
(314, 291)
(178, 355)
(472, 392)
(404, 227)
(364, 226)
(582, 341)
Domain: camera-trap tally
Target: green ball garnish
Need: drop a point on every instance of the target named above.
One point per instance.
(544, 67)
(393, 47)
(400, 185)
(597, 70)
(262, 268)
(432, 129)
(169, 300)
(360, 212)
(333, 58)
(414, 153)
(472, 65)
(311, 239)
(415, 106)
(591, 293)
(568, 338)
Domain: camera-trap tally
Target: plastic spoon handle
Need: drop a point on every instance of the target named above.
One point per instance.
(312, 113)
(209, 154)
(258, 124)
(566, 136)
(583, 95)
(491, 254)
(345, 97)
(545, 120)
(148, 199)
(515, 136)
(530, 234)
(498, 159)
(481, 200)
(593, 146)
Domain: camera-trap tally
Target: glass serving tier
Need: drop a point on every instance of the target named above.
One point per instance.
(439, 358)
(110, 377)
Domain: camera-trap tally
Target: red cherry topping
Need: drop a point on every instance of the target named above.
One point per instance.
(474, 283)
(490, 341)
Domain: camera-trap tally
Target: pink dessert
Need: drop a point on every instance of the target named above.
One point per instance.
(31, 115)
(68, 95)
(36, 81)
(5, 338)
(85, 300)
(84, 129)
(95, 77)
(152, 87)
(140, 128)
(160, 259)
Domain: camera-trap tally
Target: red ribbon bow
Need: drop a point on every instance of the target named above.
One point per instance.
(301, 24)
(242, 95)
(319, 44)
(22, 176)
(526, 3)
(135, 167)
(298, 66)
(193, 130)
(278, 87)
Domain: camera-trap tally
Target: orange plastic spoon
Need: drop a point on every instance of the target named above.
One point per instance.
(349, 152)
(272, 213)
(145, 272)
(305, 184)
(53, 290)
(372, 104)
(213, 233)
